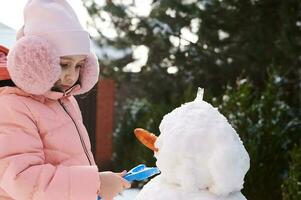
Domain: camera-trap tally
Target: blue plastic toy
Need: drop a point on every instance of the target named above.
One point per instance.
(140, 173)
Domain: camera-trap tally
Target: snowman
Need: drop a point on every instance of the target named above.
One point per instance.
(199, 154)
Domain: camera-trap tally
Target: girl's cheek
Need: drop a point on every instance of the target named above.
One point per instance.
(62, 74)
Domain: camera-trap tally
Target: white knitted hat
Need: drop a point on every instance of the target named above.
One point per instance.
(56, 21)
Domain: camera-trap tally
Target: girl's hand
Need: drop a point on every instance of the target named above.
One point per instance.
(111, 184)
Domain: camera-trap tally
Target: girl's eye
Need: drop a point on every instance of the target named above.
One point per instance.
(79, 66)
(63, 65)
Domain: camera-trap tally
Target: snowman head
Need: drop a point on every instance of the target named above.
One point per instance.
(197, 148)
(185, 141)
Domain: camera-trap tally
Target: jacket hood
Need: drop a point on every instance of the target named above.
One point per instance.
(34, 66)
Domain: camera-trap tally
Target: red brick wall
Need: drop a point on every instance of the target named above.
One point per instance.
(104, 124)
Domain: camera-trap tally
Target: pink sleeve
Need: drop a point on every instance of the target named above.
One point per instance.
(23, 172)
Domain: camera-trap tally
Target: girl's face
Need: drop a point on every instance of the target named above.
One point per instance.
(70, 72)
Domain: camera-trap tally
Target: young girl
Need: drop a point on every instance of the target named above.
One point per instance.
(44, 147)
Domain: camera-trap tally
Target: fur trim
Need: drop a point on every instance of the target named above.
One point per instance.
(34, 65)
(89, 74)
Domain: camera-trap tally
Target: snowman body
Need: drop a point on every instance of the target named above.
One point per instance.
(159, 189)
(200, 156)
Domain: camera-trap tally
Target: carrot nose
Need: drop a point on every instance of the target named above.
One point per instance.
(146, 138)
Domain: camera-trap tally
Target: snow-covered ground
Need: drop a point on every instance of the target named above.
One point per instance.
(128, 195)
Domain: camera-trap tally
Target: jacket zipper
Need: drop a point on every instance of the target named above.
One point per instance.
(80, 136)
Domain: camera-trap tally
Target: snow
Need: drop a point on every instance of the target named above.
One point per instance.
(159, 189)
(128, 195)
(200, 156)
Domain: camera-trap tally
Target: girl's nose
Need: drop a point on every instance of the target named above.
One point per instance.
(69, 79)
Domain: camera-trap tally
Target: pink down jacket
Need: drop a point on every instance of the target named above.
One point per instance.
(44, 148)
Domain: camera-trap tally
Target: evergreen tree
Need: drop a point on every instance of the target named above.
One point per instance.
(209, 42)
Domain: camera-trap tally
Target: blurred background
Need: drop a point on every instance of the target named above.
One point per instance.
(153, 56)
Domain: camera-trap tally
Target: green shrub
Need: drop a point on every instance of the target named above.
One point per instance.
(269, 128)
(291, 189)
